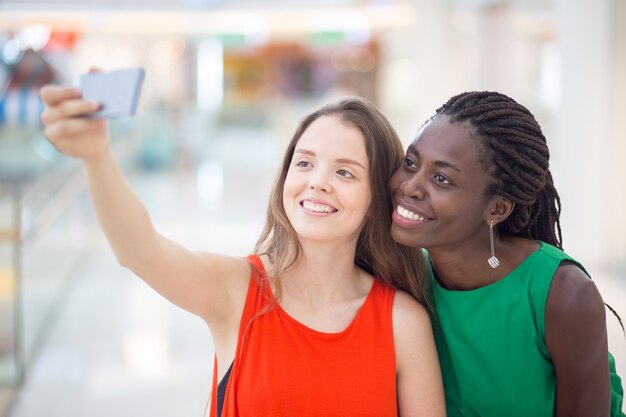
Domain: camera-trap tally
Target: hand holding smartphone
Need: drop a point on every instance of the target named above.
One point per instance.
(117, 91)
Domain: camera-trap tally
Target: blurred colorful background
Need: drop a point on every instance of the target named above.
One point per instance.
(226, 84)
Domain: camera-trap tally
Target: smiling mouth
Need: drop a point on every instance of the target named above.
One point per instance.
(317, 208)
(409, 215)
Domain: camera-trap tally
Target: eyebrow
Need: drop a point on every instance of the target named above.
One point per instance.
(340, 160)
(438, 162)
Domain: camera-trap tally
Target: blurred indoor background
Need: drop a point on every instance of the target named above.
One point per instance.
(226, 84)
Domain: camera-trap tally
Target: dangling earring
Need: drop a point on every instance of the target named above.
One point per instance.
(493, 261)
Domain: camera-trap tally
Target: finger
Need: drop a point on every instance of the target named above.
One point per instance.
(68, 109)
(71, 129)
(52, 95)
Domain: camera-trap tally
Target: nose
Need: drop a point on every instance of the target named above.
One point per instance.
(413, 186)
(319, 181)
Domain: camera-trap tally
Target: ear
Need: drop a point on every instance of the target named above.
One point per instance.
(498, 209)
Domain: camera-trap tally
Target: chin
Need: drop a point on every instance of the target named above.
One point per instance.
(403, 237)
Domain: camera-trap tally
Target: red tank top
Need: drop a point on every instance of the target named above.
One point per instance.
(284, 368)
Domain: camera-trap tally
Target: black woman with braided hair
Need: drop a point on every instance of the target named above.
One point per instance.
(520, 327)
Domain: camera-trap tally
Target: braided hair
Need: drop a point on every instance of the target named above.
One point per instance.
(515, 153)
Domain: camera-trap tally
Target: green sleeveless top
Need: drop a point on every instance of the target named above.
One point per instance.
(491, 344)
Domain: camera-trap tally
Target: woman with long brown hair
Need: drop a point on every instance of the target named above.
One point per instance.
(308, 325)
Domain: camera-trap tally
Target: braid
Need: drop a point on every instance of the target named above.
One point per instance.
(514, 150)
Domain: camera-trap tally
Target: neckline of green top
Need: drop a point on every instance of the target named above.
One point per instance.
(437, 287)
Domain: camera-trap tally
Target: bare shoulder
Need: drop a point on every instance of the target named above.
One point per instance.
(573, 295)
(409, 316)
(575, 315)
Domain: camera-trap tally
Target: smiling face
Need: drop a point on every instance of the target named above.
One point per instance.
(439, 192)
(326, 193)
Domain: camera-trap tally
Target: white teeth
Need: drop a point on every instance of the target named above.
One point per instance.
(409, 214)
(318, 208)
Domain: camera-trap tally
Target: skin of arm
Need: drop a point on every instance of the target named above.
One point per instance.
(576, 338)
(419, 382)
(208, 285)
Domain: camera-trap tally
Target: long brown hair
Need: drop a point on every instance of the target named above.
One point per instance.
(376, 252)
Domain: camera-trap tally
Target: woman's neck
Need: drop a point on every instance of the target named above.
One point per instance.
(323, 273)
(466, 268)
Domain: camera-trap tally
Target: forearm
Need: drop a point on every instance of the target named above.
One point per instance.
(122, 216)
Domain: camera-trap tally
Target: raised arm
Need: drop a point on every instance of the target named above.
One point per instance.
(577, 341)
(420, 388)
(208, 285)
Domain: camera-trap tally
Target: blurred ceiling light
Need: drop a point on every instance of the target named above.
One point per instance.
(198, 4)
(245, 29)
(255, 27)
(550, 81)
(352, 23)
(481, 3)
(211, 182)
(210, 75)
(35, 36)
(12, 52)
(356, 21)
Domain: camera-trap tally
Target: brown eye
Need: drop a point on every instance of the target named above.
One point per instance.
(408, 162)
(441, 179)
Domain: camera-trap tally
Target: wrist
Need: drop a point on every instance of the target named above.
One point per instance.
(98, 158)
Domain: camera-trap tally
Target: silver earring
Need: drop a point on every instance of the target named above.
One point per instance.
(493, 261)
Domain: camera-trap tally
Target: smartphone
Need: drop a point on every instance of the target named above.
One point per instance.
(117, 91)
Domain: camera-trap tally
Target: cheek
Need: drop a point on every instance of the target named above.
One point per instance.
(352, 195)
(367, 195)
(457, 216)
(289, 191)
(290, 185)
(396, 180)
(367, 204)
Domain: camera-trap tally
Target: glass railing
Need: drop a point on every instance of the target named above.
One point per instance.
(46, 231)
